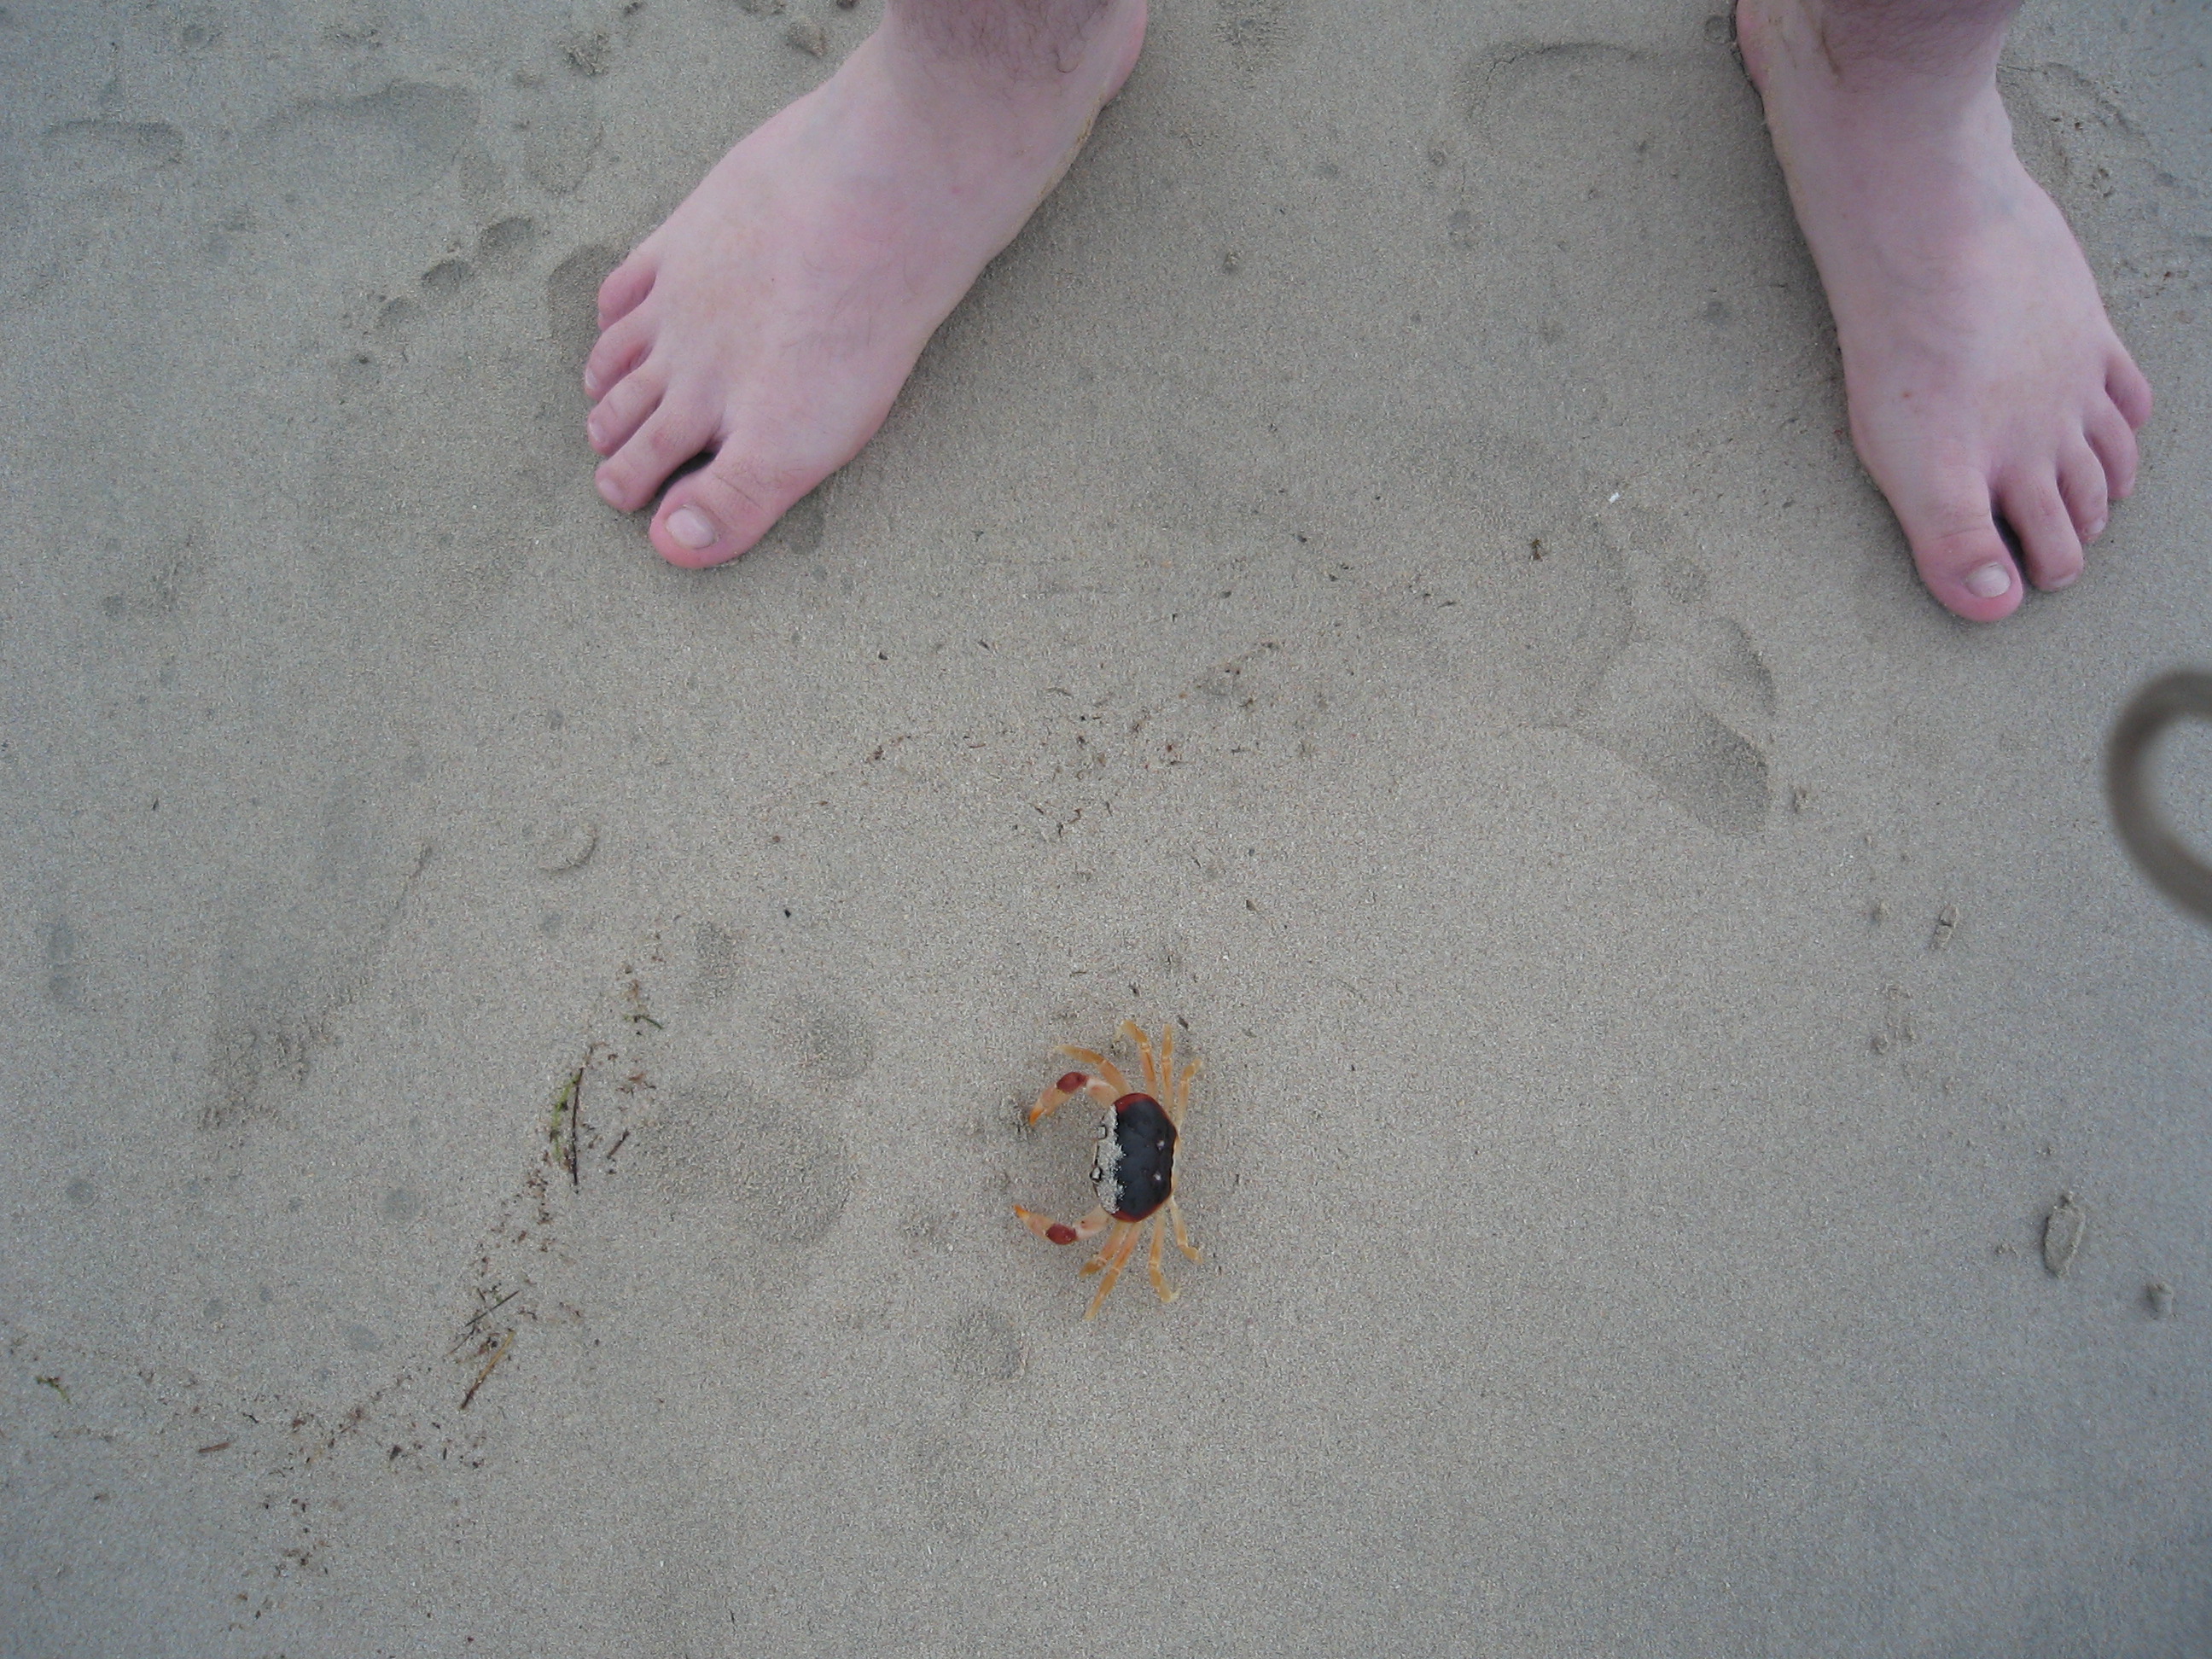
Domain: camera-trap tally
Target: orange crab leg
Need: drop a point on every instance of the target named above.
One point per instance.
(1135, 1034)
(1160, 1284)
(1105, 1251)
(1058, 1232)
(1167, 1060)
(1122, 1255)
(1182, 1238)
(1098, 1063)
(1182, 1091)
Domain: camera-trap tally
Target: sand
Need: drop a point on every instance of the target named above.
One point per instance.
(1373, 577)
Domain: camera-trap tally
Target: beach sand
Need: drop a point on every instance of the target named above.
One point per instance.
(1374, 578)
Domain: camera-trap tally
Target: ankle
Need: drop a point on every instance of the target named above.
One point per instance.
(1855, 62)
(1002, 47)
(1936, 40)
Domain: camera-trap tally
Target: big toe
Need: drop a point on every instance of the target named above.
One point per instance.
(1963, 559)
(721, 510)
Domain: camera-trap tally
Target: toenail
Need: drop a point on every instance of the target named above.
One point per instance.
(689, 525)
(2097, 529)
(1989, 582)
(2058, 582)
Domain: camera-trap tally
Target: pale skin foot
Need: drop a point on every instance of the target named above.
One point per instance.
(1984, 381)
(771, 320)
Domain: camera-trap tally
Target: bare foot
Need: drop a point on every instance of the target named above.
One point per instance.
(774, 317)
(1985, 380)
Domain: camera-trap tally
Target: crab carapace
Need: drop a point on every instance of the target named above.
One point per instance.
(1134, 1169)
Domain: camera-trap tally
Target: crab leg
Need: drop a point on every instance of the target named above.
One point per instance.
(1105, 1251)
(1182, 1091)
(1167, 1060)
(1135, 1033)
(1159, 1285)
(1182, 1238)
(1098, 1063)
(1056, 1233)
(1113, 1271)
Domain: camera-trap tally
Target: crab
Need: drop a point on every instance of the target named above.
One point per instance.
(1134, 1169)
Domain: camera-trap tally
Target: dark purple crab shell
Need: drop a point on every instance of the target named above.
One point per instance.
(1134, 1170)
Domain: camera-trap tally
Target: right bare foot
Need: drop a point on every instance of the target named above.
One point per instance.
(774, 317)
(1986, 385)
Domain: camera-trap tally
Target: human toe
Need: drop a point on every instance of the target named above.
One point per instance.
(2126, 385)
(621, 346)
(2081, 485)
(622, 411)
(627, 284)
(2113, 440)
(670, 437)
(721, 510)
(2051, 547)
(1961, 555)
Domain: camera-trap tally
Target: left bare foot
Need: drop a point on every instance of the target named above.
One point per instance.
(1985, 380)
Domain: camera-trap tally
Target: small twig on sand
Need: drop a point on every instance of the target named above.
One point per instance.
(489, 1308)
(497, 1354)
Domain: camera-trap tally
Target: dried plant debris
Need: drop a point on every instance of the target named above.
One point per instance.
(592, 51)
(2062, 1232)
(562, 1131)
(489, 1365)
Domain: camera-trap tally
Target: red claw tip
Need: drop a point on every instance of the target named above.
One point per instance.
(1071, 1082)
(1061, 1233)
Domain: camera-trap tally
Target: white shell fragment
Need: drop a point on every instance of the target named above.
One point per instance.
(569, 846)
(2061, 1234)
(1947, 919)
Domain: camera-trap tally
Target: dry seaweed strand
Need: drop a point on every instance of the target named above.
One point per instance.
(566, 1109)
(489, 1365)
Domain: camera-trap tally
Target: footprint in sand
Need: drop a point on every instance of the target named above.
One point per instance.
(1677, 700)
(299, 944)
(103, 152)
(1260, 34)
(351, 157)
(557, 114)
(716, 948)
(1604, 627)
(2104, 169)
(65, 974)
(827, 1037)
(722, 1162)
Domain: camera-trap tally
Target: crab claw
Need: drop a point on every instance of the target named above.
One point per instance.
(1058, 1232)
